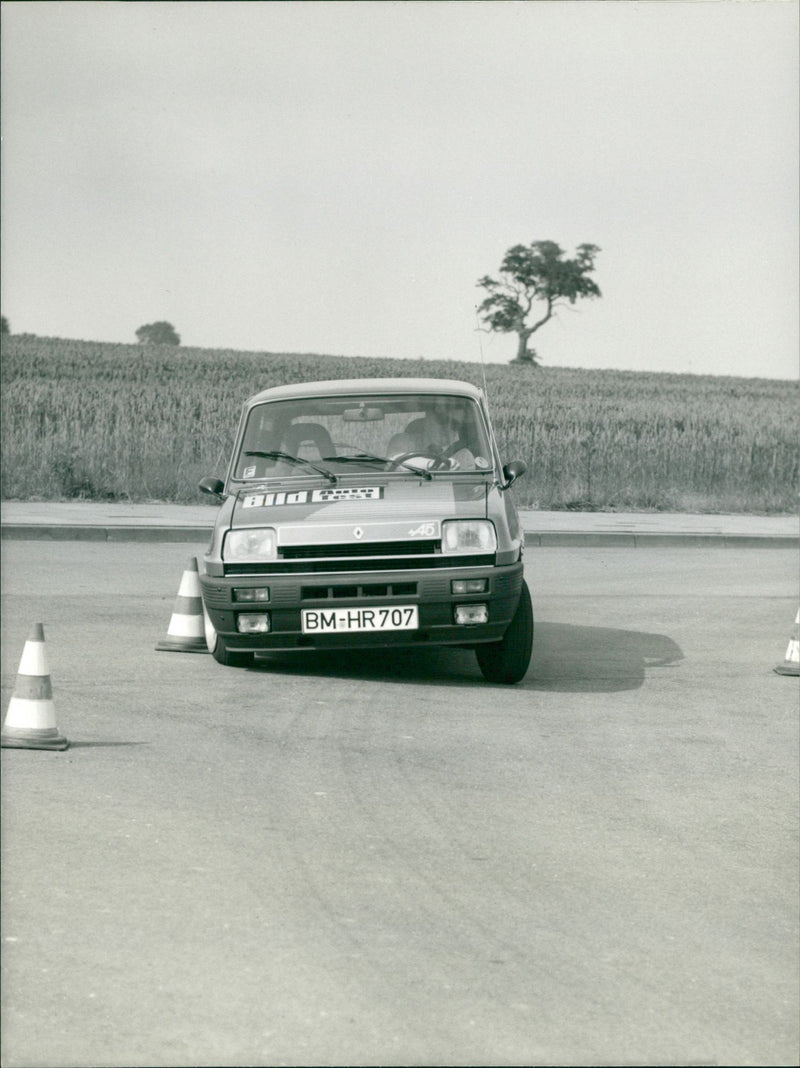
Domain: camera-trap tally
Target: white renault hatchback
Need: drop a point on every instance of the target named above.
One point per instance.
(368, 513)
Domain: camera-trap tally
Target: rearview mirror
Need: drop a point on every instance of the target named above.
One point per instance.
(362, 414)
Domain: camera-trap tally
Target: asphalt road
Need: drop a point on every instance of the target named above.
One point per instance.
(384, 860)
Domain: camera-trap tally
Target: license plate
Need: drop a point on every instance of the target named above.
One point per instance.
(354, 620)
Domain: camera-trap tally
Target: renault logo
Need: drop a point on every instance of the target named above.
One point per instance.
(358, 533)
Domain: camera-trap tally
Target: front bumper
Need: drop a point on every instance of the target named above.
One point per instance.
(430, 590)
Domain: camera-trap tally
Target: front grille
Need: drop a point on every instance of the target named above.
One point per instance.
(403, 563)
(381, 548)
(372, 589)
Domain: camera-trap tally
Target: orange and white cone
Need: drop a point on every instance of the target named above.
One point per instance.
(791, 662)
(186, 631)
(30, 721)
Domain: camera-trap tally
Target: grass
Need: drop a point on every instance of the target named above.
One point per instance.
(102, 421)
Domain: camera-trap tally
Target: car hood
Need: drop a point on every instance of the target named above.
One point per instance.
(369, 508)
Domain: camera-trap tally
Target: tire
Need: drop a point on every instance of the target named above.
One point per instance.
(508, 660)
(218, 649)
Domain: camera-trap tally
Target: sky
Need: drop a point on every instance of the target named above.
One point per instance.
(336, 177)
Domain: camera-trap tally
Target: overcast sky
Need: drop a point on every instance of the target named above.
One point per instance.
(335, 177)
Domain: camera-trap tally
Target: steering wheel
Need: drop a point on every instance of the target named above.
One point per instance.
(444, 461)
(451, 450)
(439, 461)
(404, 457)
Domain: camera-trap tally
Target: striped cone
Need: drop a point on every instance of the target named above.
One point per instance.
(31, 718)
(186, 631)
(791, 662)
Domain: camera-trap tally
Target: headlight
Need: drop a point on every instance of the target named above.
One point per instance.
(249, 546)
(468, 536)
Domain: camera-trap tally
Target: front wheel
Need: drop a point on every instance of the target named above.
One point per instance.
(507, 661)
(219, 650)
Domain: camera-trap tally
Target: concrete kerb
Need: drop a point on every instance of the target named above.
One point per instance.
(85, 532)
(589, 539)
(157, 521)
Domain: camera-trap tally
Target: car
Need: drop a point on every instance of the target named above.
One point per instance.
(368, 513)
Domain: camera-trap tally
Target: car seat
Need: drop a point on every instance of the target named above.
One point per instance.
(310, 441)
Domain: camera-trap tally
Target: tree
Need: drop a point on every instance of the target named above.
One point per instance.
(535, 280)
(157, 334)
(4, 327)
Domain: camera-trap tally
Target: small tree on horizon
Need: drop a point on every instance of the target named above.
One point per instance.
(535, 280)
(160, 333)
(4, 327)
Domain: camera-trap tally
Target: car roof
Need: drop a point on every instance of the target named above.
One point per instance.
(368, 386)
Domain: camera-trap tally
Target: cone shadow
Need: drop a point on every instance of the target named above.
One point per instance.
(102, 744)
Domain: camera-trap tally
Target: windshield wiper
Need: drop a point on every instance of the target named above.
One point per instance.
(368, 457)
(274, 455)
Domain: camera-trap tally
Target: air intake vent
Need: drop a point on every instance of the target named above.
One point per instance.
(372, 589)
(381, 548)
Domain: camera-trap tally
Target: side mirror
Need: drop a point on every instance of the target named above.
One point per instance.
(511, 472)
(213, 487)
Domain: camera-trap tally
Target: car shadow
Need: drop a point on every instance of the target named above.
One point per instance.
(580, 659)
(566, 657)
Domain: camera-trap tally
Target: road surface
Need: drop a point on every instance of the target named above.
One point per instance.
(382, 859)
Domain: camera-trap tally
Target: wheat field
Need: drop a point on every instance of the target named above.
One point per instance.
(102, 421)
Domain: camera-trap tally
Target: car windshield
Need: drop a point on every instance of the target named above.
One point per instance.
(432, 433)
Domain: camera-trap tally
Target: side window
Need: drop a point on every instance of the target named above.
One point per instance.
(260, 435)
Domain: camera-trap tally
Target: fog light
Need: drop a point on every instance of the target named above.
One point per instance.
(251, 593)
(469, 585)
(252, 624)
(472, 613)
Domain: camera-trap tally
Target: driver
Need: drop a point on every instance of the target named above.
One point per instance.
(434, 435)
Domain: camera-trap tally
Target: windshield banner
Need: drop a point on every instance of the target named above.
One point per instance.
(317, 496)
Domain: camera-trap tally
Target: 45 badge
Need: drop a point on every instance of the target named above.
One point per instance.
(424, 530)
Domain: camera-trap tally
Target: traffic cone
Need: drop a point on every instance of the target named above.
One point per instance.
(791, 662)
(186, 631)
(31, 717)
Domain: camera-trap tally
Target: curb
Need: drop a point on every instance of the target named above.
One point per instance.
(88, 532)
(593, 539)
(541, 539)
